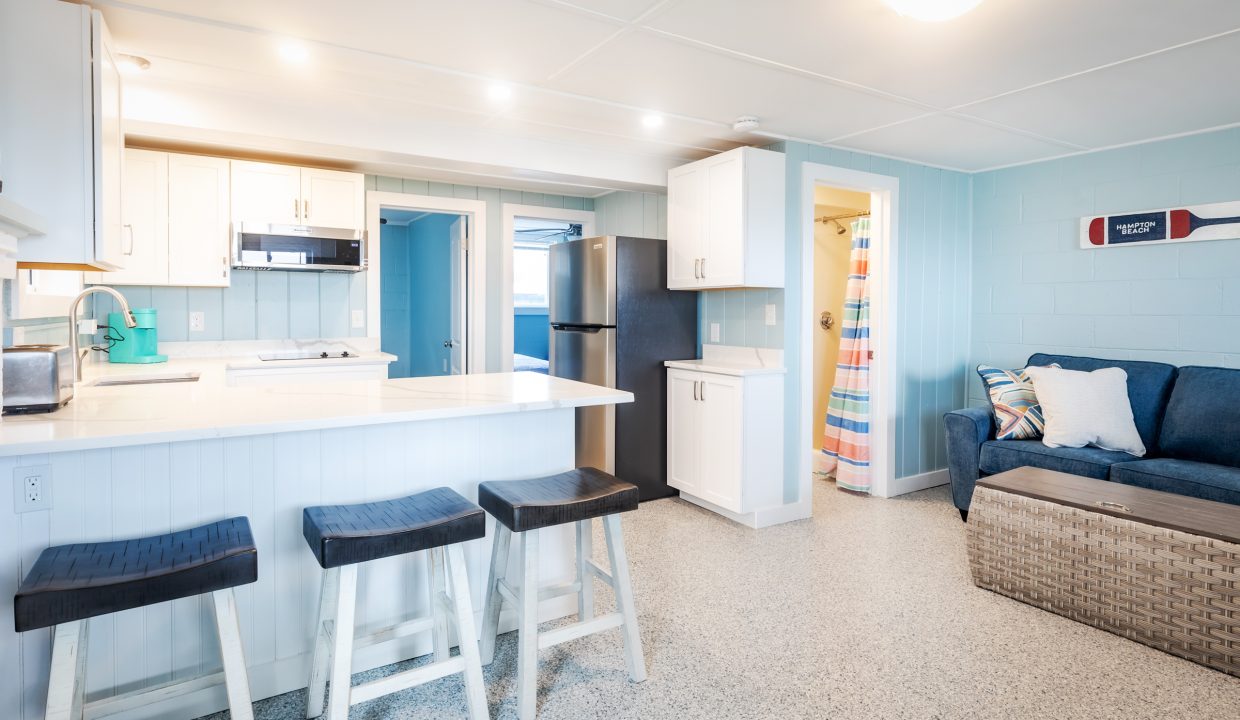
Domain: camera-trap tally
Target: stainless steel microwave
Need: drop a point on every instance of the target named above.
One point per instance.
(262, 246)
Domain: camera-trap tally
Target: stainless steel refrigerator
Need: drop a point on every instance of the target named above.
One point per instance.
(613, 323)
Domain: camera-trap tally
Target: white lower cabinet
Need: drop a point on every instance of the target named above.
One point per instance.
(725, 438)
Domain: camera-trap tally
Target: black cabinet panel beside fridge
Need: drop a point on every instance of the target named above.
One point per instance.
(613, 323)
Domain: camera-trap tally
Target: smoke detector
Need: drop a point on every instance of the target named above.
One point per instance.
(745, 123)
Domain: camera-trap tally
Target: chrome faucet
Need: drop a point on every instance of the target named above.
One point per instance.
(130, 322)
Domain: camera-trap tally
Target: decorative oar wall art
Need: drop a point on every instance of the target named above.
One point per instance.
(1216, 221)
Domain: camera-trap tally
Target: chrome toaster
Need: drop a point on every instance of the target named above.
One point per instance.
(37, 378)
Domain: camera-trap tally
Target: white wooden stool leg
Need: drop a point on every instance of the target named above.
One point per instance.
(68, 677)
(475, 690)
(439, 622)
(624, 598)
(342, 644)
(236, 677)
(494, 603)
(527, 629)
(323, 628)
(585, 551)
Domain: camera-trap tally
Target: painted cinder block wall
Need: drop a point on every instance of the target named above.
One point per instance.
(1035, 289)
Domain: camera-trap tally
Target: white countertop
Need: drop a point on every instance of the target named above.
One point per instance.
(734, 360)
(721, 368)
(100, 417)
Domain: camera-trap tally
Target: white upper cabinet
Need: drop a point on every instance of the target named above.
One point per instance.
(290, 195)
(61, 134)
(266, 192)
(176, 228)
(331, 198)
(725, 221)
(198, 221)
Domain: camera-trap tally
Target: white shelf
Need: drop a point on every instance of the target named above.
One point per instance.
(19, 221)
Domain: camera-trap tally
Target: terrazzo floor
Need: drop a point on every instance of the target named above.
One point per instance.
(865, 611)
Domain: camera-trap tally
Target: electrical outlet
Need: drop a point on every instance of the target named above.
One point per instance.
(32, 488)
(197, 321)
(770, 314)
(359, 319)
(714, 332)
(88, 326)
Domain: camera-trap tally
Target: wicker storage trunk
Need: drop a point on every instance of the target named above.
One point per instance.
(1132, 565)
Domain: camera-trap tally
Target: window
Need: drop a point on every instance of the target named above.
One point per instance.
(530, 258)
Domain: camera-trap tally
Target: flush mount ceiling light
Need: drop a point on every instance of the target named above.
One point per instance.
(499, 92)
(132, 63)
(294, 52)
(932, 10)
(652, 120)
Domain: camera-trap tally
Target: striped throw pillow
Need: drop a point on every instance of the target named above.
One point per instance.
(1017, 413)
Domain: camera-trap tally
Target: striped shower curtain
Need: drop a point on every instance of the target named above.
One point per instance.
(846, 440)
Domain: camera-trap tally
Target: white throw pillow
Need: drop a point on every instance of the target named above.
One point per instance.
(1086, 408)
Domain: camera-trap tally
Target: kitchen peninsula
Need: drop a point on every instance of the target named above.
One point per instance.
(137, 460)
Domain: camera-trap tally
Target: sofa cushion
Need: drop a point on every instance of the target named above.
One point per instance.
(1202, 421)
(1182, 477)
(1003, 455)
(1017, 414)
(1149, 386)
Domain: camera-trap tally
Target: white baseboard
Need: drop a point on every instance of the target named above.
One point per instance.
(757, 519)
(914, 483)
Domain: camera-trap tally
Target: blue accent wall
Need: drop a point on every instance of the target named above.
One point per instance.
(531, 330)
(1035, 289)
(430, 294)
(395, 326)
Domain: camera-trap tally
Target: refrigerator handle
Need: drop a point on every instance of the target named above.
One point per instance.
(593, 330)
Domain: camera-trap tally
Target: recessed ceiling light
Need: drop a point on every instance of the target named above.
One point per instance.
(652, 120)
(932, 10)
(130, 64)
(294, 52)
(499, 92)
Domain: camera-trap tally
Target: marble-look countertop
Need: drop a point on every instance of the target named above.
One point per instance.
(733, 360)
(117, 416)
(722, 368)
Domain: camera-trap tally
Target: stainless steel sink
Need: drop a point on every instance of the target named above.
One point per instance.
(146, 379)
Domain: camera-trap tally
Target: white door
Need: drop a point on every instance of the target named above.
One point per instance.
(266, 193)
(723, 241)
(330, 198)
(683, 431)
(144, 232)
(198, 221)
(109, 149)
(721, 436)
(459, 239)
(684, 226)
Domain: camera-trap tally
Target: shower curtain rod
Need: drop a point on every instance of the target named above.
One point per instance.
(832, 218)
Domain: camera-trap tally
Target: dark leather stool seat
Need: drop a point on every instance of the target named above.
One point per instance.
(75, 582)
(349, 534)
(579, 494)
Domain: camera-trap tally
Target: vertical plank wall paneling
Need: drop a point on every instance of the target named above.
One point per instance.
(121, 493)
(1036, 290)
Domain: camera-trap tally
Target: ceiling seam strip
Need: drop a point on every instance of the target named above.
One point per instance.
(405, 61)
(619, 33)
(1096, 68)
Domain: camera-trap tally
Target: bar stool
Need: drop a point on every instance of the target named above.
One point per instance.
(69, 584)
(343, 536)
(525, 506)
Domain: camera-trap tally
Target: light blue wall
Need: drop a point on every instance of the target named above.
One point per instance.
(495, 199)
(430, 294)
(531, 332)
(633, 214)
(258, 305)
(395, 326)
(1035, 289)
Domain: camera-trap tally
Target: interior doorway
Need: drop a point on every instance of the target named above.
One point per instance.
(425, 292)
(423, 287)
(529, 232)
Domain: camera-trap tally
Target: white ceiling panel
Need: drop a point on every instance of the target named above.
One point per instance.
(651, 71)
(515, 40)
(626, 10)
(948, 141)
(1180, 90)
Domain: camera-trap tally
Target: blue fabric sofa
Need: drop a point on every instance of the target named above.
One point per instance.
(1188, 418)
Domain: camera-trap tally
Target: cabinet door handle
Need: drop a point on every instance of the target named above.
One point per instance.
(296, 209)
(703, 268)
(695, 382)
(702, 392)
(130, 229)
(697, 268)
(224, 270)
(305, 215)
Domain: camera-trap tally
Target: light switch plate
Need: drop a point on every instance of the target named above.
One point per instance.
(714, 332)
(770, 314)
(32, 488)
(197, 321)
(359, 319)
